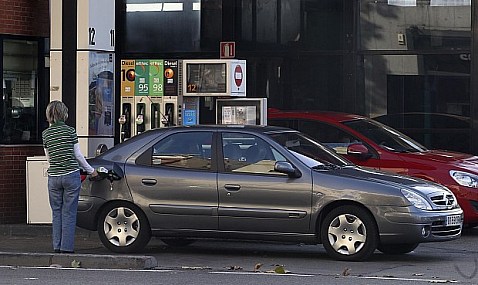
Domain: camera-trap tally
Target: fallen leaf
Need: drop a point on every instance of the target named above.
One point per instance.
(76, 264)
(346, 272)
(279, 270)
(257, 267)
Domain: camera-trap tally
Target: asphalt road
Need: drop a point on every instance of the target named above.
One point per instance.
(218, 262)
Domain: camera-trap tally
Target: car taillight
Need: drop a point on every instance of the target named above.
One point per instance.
(83, 177)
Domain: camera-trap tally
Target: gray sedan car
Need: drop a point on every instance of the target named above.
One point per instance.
(257, 183)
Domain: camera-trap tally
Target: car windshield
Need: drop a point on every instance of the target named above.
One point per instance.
(384, 136)
(307, 150)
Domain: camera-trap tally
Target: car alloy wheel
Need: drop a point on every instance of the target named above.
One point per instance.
(123, 227)
(349, 233)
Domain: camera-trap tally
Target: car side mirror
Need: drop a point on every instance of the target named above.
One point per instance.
(287, 168)
(358, 150)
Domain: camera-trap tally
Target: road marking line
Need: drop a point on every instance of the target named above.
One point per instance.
(263, 273)
(89, 269)
(409, 279)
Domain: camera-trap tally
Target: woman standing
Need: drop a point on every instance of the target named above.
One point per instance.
(61, 146)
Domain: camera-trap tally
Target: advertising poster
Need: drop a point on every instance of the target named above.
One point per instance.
(101, 94)
(155, 77)
(190, 111)
(170, 78)
(127, 77)
(141, 78)
(239, 115)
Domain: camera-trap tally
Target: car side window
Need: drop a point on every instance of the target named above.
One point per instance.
(191, 150)
(328, 135)
(245, 153)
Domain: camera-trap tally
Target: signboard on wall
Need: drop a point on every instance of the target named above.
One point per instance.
(241, 111)
(238, 78)
(214, 77)
(171, 77)
(156, 77)
(100, 32)
(227, 49)
(190, 111)
(149, 77)
(127, 77)
(141, 78)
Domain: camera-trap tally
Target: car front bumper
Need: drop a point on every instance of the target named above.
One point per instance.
(409, 225)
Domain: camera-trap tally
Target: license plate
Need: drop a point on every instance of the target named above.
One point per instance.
(454, 220)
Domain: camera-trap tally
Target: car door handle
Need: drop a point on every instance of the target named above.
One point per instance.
(232, 187)
(149, 182)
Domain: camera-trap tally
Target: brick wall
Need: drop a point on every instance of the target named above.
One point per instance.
(13, 187)
(25, 17)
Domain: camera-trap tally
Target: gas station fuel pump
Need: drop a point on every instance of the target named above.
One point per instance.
(158, 93)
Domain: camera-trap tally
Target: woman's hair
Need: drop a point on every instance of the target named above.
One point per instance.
(56, 111)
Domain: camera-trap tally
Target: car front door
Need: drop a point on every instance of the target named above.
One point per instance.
(253, 197)
(174, 181)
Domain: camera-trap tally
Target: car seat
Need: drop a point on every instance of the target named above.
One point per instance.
(256, 153)
(232, 151)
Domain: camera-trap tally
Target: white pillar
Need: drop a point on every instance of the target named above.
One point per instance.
(95, 116)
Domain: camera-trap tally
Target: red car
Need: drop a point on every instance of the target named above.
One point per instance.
(369, 143)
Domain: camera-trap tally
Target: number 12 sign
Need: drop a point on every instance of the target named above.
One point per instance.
(98, 32)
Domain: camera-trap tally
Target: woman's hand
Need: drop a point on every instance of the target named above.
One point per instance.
(94, 173)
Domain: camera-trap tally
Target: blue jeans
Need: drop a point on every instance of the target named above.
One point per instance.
(63, 193)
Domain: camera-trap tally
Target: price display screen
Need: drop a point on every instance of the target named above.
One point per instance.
(206, 78)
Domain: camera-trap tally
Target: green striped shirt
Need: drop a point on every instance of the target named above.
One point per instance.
(58, 140)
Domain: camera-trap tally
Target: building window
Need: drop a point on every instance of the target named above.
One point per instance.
(415, 25)
(172, 26)
(18, 122)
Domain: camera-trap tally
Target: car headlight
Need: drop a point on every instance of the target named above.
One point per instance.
(416, 200)
(464, 178)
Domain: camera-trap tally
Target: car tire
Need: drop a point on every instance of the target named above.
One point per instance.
(349, 233)
(177, 242)
(123, 227)
(401, 248)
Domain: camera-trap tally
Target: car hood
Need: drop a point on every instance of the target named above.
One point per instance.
(450, 159)
(389, 179)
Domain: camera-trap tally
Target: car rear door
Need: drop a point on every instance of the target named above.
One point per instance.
(174, 181)
(255, 199)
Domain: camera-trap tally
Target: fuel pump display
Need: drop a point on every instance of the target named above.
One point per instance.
(149, 96)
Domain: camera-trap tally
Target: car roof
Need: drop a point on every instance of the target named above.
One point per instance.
(317, 115)
(250, 128)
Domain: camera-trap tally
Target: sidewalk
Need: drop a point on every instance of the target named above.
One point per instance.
(30, 245)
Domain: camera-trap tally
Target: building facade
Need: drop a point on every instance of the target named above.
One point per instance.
(24, 36)
(411, 59)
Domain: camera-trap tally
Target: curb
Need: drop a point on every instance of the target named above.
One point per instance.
(77, 260)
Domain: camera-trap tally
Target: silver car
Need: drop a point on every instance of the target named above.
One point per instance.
(257, 183)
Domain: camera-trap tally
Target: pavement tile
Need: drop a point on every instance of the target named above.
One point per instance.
(30, 245)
